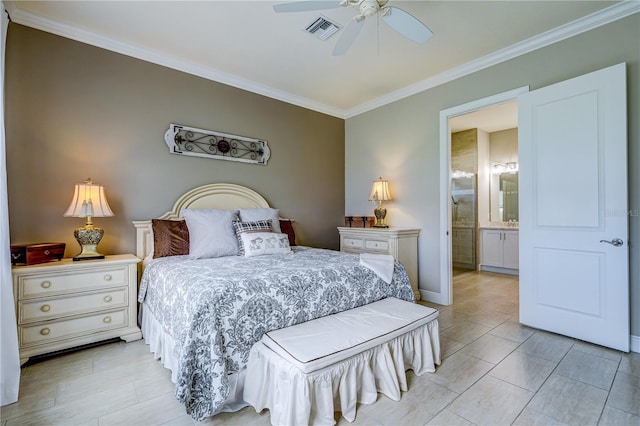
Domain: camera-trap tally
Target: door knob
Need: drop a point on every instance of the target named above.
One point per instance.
(616, 242)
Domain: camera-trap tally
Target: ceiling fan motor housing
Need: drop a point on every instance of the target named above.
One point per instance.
(369, 7)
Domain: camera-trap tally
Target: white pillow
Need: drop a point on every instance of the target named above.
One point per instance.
(259, 243)
(265, 213)
(211, 232)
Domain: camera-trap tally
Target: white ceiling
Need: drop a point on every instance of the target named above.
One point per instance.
(245, 44)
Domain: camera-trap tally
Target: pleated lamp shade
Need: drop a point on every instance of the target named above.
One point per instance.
(88, 201)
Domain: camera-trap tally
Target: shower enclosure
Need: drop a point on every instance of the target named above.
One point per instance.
(463, 211)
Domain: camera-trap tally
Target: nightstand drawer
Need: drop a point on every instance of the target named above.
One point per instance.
(31, 286)
(43, 309)
(353, 243)
(64, 329)
(377, 245)
(60, 305)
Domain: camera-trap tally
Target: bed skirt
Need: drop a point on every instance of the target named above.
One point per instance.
(296, 398)
(162, 345)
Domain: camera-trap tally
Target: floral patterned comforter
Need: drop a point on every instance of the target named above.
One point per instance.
(216, 309)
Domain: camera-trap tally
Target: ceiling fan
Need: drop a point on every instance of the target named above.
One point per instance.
(398, 19)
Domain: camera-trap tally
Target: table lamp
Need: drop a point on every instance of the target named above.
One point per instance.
(380, 192)
(88, 201)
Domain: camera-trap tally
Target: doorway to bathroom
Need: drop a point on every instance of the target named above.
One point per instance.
(484, 190)
(479, 188)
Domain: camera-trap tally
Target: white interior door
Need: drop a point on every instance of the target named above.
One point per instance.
(574, 258)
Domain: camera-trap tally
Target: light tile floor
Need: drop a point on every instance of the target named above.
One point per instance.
(494, 372)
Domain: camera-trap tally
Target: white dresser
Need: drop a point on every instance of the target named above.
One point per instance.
(64, 304)
(401, 243)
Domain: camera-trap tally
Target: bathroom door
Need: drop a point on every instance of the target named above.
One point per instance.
(574, 258)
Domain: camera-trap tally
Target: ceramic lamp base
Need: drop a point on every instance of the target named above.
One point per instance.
(380, 213)
(88, 238)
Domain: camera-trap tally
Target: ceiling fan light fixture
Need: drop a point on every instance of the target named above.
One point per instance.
(322, 28)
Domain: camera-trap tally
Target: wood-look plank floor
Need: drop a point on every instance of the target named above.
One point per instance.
(494, 372)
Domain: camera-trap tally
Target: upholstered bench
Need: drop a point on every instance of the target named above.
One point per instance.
(306, 372)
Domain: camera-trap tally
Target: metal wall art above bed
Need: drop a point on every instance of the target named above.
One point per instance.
(184, 140)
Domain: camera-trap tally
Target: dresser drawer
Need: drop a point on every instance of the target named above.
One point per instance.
(73, 327)
(30, 286)
(353, 243)
(43, 309)
(377, 245)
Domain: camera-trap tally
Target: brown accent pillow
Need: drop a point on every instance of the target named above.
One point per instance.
(287, 228)
(170, 237)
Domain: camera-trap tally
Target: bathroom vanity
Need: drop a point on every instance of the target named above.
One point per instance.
(499, 249)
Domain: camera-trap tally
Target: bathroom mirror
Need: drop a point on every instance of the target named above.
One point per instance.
(503, 197)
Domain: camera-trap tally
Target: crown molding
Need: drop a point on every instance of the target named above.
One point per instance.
(597, 19)
(605, 16)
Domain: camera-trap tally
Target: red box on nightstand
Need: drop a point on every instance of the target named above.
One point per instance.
(32, 254)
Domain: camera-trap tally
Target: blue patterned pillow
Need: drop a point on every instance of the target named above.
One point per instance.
(246, 227)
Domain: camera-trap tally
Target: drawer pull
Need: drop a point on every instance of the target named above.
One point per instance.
(47, 252)
(45, 308)
(45, 331)
(107, 277)
(107, 299)
(106, 320)
(45, 284)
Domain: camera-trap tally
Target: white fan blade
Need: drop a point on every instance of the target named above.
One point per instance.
(303, 6)
(347, 38)
(407, 25)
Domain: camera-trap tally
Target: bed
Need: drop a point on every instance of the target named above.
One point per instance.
(201, 316)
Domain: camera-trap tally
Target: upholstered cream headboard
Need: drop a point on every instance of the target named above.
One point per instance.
(223, 196)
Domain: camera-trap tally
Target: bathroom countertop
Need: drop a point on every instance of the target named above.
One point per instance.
(501, 226)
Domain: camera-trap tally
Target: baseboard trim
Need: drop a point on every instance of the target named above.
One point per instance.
(498, 270)
(431, 296)
(635, 343)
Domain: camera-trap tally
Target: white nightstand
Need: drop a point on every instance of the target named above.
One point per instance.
(64, 304)
(401, 243)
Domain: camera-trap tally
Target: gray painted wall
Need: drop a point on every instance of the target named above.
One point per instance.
(400, 141)
(76, 111)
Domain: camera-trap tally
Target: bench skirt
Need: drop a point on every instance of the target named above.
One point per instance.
(297, 398)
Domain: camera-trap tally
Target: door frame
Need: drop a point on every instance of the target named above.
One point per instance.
(445, 297)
